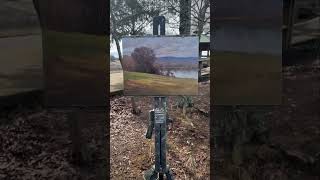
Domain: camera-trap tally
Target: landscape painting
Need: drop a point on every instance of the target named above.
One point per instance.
(160, 66)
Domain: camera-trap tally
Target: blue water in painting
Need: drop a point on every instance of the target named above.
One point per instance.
(183, 60)
(181, 67)
(193, 74)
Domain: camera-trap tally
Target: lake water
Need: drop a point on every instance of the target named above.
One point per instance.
(185, 74)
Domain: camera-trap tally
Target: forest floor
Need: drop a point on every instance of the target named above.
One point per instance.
(188, 138)
(36, 143)
(295, 125)
(292, 150)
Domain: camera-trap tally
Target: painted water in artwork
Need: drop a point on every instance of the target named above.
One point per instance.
(160, 66)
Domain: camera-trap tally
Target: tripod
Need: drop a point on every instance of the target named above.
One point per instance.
(158, 120)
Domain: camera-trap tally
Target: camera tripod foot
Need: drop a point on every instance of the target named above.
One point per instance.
(169, 174)
(150, 174)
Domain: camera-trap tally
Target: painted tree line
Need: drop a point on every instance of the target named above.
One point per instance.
(143, 59)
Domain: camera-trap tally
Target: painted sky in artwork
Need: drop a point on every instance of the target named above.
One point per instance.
(164, 46)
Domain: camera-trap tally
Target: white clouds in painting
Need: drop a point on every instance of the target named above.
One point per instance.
(164, 46)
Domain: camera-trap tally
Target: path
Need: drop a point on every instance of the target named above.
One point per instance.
(116, 81)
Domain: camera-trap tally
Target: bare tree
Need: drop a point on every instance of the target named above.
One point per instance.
(179, 18)
(200, 15)
(130, 17)
(144, 59)
(185, 17)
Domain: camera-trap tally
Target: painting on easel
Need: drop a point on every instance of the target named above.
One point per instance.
(160, 66)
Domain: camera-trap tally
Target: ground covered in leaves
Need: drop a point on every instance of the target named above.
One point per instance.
(188, 138)
(35, 144)
(295, 126)
(291, 149)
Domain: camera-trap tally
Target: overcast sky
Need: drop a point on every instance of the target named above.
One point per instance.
(169, 31)
(113, 49)
(164, 46)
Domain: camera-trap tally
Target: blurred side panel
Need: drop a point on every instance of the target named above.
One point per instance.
(247, 43)
(20, 49)
(75, 46)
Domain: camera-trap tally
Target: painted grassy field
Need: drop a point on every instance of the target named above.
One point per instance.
(75, 66)
(76, 44)
(141, 84)
(246, 79)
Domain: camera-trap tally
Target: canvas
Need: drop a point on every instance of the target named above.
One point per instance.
(160, 66)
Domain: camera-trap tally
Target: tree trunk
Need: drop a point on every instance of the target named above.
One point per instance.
(135, 109)
(202, 17)
(184, 110)
(185, 17)
(184, 29)
(118, 49)
(115, 37)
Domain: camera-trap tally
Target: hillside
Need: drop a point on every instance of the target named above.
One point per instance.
(176, 62)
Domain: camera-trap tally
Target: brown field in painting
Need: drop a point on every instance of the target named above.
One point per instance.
(75, 66)
(150, 84)
(247, 79)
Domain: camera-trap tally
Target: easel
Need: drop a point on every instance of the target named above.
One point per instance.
(158, 122)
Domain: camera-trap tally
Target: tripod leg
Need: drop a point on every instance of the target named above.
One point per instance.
(161, 177)
(150, 174)
(169, 174)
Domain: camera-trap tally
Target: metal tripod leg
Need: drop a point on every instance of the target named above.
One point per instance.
(169, 174)
(150, 174)
(158, 123)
